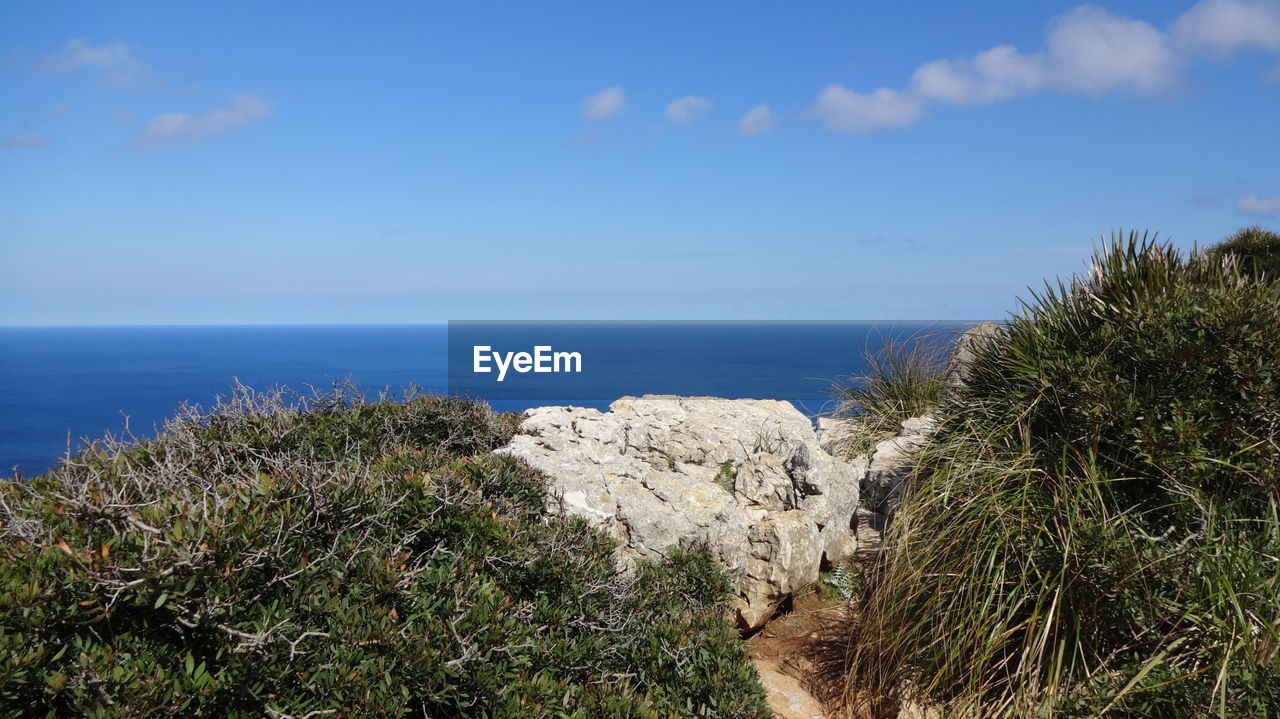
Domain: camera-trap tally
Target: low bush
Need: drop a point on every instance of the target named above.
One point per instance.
(1095, 529)
(1256, 250)
(327, 557)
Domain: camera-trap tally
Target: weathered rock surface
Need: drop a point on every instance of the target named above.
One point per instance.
(746, 476)
(834, 434)
(891, 463)
(962, 355)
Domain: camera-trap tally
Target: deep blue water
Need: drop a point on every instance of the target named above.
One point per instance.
(59, 385)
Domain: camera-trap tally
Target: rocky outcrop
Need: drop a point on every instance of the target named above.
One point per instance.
(748, 477)
(834, 434)
(891, 462)
(962, 355)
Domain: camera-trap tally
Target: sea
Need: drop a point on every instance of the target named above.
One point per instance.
(62, 386)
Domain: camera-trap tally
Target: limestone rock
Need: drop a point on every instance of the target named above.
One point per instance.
(892, 461)
(748, 477)
(833, 432)
(962, 354)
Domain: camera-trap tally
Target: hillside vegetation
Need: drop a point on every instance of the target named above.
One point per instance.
(321, 556)
(1096, 529)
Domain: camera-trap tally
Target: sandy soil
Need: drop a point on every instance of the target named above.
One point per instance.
(788, 656)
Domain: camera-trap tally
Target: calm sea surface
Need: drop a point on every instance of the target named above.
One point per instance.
(59, 385)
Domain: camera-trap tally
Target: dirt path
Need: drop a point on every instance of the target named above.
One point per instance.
(787, 697)
(786, 649)
(784, 652)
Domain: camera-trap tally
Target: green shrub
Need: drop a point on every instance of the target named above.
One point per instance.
(1255, 249)
(1095, 529)
(323, 556)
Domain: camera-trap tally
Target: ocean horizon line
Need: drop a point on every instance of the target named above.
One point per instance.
(445, 323)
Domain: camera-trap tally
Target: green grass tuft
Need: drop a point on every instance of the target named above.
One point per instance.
(902, 379)
(1095, 529)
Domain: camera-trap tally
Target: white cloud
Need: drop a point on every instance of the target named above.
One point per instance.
(1221, 26)
(604, 104)
(180, 128)
(1087, 51)
(844, 110)
(687, 109)
(24, 139)
(996, 74)
(1256, 205)
(115, 61)
(758, 120)
(1090, 50)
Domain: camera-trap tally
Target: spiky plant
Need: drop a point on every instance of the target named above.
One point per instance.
(1095, 530)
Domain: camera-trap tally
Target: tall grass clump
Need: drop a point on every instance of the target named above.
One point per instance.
(1095, 530)
(323, 556)
(903, 378)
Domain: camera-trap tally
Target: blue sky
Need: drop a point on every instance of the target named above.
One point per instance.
(408, 162)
